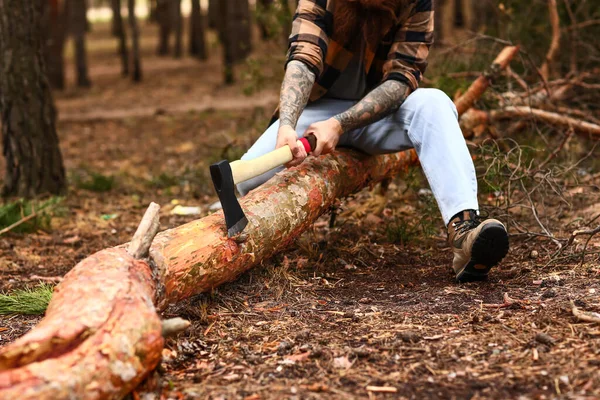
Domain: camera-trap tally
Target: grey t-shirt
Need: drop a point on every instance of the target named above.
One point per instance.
(352, 83)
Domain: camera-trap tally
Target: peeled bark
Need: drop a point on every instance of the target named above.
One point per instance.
(28, 118)
(111, 340)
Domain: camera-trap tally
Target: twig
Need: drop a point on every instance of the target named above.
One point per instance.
(19, 222)
(555, 44)
(553, 155)
(585, 316)
(148, 228)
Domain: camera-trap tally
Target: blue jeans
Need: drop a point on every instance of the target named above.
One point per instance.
(427, 121)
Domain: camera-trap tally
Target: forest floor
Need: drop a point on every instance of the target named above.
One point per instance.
(365, 309)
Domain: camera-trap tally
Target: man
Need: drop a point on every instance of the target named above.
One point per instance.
(352, 72)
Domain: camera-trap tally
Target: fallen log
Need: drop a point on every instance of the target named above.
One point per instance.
(475, 117)
(101, 334)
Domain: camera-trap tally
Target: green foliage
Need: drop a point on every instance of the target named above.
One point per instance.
(163, 181)
(253, 76)
(94, 182)
(15, 211)
(31, 301)
(399, 232)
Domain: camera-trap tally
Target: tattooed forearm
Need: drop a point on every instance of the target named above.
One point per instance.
(379, 103)
(295, 90)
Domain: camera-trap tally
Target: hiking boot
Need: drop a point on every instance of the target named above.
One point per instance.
(478, 245)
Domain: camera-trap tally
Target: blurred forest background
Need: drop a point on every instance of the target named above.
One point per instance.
(127, 102)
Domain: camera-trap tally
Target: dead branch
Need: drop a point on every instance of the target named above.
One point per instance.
(145, 233)
(477, 117)
(555, 43)
(585, 316)
(475, 91)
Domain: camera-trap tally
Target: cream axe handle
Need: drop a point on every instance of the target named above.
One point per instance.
(242, 170)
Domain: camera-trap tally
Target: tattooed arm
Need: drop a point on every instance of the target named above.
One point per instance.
(295, 90)
(378, 104)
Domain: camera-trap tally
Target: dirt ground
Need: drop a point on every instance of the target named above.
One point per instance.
(365, 309)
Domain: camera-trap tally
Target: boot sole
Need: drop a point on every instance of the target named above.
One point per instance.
(489, 248)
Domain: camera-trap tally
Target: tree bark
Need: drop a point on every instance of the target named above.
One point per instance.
(55, 19)
(164, 23)
(214, 19)
(78, 22)
(115, 293)
(135, 42)
(263, 7)
(197, 37)
(227, 38)
(33, 160)
(177, 23)
(120, 33)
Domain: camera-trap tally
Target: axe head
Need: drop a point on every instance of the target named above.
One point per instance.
(222, 178)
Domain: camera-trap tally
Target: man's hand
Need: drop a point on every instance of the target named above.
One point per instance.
(287, 136)
(328, 134)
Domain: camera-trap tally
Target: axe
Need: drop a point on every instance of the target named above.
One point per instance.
(226, 175)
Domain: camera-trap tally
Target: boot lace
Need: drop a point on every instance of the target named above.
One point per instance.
(468, 224)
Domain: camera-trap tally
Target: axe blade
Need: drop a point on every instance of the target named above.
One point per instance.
(222, 178)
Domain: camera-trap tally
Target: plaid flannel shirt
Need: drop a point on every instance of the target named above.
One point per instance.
(400, 54)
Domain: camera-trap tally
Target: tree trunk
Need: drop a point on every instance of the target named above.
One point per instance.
(33, 160)
(164, 23)
(78, 29)
(263, 7)
(227, 38)
(115, 293)
(287, 22)
(153, 16)
(177, 24)
(197, 38)
(214, 19)
(119, 30)
(135, 42)
(55, 30)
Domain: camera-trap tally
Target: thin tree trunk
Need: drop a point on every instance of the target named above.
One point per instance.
(287, 22)
(153, 17)
(33, 160)
(164, 22)
(227, 38)
(197, 37)
(177, 23)
(55, 30)
(135, 42)
(263, 8)
(78, 29)
(121, 35)
(214, 19)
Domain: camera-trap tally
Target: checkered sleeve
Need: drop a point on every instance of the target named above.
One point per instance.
(407, 58)
(311, 29)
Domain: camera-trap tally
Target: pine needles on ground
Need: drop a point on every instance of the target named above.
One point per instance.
(33, 301)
